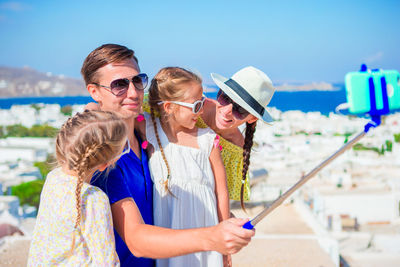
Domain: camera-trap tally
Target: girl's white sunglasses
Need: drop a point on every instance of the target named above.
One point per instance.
(196, 106)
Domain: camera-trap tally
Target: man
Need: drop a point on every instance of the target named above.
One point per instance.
(113, 79)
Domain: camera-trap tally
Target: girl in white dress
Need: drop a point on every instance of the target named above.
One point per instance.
(190, 188)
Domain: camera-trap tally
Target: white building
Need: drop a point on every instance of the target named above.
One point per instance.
(9, 210)
(28, 116)
(39, 143)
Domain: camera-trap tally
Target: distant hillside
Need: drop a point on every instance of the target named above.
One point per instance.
(27, 82)
(294, 87)
(318, 86)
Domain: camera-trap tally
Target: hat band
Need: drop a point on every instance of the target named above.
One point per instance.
(245, 96)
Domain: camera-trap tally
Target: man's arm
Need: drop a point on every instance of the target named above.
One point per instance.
(149, 241)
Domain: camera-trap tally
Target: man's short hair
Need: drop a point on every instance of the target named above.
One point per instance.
(101, 56)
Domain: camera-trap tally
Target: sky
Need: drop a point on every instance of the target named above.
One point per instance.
(291, 41)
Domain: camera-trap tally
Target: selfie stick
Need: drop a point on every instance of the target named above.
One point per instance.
(375, 121)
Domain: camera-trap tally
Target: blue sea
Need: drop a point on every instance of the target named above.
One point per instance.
(306, 101)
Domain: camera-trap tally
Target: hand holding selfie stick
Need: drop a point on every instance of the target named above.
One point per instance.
(375, 121)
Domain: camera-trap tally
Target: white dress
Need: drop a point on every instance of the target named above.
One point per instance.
(192, 183)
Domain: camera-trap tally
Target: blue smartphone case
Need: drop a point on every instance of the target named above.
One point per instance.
(359, 95)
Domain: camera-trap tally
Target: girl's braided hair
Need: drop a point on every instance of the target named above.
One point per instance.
(84, 142)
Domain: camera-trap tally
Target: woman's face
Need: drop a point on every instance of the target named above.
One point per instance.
(229, 114)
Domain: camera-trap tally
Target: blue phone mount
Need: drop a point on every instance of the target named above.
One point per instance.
(374, 112)
(248, 225)
(375, 122)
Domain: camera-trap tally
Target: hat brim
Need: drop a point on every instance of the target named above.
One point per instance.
(220, 82)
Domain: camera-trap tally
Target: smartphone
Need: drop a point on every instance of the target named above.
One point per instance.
(358, 94)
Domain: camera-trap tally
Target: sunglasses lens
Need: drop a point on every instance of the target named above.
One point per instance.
(140, 81)
(237, 111)
(197, 106)
(223, 99)
(119, 86)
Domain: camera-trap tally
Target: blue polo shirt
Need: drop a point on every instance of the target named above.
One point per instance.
(130, 178)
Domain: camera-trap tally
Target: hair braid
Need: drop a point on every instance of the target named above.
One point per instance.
(248, 143)
(166, 182)
(82, 171)
(82, 168)
(86, 141)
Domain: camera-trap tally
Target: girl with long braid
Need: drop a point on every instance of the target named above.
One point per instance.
(74, 224)
(189, 177)
(240, 100)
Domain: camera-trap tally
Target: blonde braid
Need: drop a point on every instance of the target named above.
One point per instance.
(166, 182)
(81, 170)
(85, 142)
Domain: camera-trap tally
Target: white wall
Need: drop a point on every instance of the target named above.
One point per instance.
(366, 207)
(8, 154)
(31, 142)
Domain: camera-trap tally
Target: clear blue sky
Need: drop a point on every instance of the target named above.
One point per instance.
(292, 41)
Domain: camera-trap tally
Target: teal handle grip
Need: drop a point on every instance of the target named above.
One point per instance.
(248, 226)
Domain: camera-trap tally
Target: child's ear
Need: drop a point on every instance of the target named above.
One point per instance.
(167, 107)
(102, 167)
(94, 92)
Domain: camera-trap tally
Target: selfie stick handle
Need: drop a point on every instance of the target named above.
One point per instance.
(304, 179)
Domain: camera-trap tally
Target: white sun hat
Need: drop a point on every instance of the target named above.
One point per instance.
(250, 88)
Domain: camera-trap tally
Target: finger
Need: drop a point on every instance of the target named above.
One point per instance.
(238, 221)
(238, 231)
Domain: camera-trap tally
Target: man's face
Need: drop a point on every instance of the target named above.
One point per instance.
(127, 105)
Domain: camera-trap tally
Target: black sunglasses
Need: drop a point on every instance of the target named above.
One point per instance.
(119, 87)
(237, 111)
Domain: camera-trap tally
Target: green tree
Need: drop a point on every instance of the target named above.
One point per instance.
(382, 151)
(17, 130)
(42, 131)
(28, 193)
(36, 107)
(360, 146)
(397, 137)
(45, 166)
(2, 133)
(389, 145)
(66, 110)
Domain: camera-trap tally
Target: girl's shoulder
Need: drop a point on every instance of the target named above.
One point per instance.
(57, 176)
(206, 131)
(94, 194)
(206, 138)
